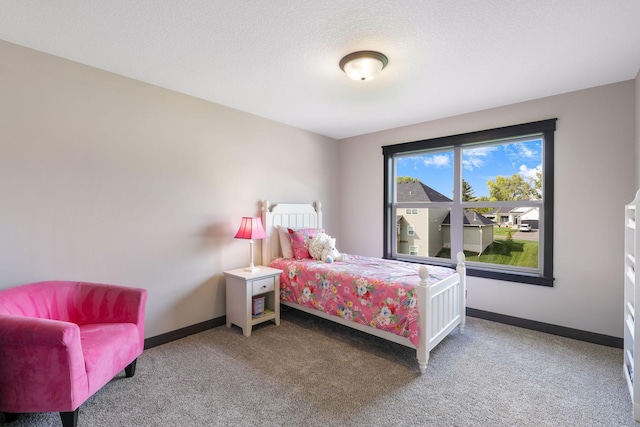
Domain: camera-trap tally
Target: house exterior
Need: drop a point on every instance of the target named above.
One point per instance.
(426, 231)
(477, 231)
(529, 216)
(419, 230)
(514, 216)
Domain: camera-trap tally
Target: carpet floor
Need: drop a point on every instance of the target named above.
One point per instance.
(312, 372)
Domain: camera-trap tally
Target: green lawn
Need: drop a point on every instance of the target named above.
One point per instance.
(503, 231)
(520, 253)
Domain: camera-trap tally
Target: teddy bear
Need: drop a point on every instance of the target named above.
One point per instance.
(323, 247)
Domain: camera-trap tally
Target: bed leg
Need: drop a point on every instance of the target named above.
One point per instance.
(462, 271)
(422, 364)
(463, 319)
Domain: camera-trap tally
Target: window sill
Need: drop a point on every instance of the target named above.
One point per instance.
(511, 277)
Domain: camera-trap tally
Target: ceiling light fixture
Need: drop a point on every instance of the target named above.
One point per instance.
(363, 65)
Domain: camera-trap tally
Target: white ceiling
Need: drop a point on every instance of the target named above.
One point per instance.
(279, 58)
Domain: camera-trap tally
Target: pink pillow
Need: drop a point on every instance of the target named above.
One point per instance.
(300, 241)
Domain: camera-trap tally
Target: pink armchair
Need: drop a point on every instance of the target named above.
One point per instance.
(60, 342)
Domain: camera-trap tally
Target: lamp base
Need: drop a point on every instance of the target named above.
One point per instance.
(251, 267)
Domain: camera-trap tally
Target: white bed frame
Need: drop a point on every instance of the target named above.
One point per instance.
(442, 305)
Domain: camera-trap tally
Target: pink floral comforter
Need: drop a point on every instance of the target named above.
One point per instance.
(371, 291)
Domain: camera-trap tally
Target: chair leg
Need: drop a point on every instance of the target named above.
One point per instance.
(130, 370)
(69, 419)
(10, 417)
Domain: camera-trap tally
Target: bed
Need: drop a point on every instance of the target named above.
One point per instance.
(409, 304)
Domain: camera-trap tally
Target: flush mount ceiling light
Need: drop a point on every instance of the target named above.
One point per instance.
(363, 65)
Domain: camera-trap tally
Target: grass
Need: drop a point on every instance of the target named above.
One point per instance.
(519, 253)
(503, 231)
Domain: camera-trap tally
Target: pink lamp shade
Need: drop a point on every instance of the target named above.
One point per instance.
(251, 228)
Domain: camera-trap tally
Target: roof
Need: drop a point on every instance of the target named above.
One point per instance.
(418, 192)
(470, 218)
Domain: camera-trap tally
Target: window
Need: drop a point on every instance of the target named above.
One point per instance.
(471, 193)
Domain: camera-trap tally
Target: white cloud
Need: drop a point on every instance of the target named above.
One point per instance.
(530, 174)
(475, 157)
(437, 160)
(525, 151)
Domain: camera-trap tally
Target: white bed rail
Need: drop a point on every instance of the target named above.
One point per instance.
(445, 303)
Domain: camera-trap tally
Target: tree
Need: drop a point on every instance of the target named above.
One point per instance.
(406, 179)
(467, 192)
(537, 185)
(512, 188)
(482, 211)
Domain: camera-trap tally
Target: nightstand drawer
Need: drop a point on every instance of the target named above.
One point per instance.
(263, 285)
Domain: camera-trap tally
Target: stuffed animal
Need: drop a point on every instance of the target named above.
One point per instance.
(323, 247)
(330, 253)
(316, 245)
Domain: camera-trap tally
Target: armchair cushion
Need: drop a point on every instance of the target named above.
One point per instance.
(115, 344)
(60, 342)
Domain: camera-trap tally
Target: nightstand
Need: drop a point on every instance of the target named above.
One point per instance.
(242, 286)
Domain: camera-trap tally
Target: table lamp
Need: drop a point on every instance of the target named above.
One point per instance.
(251, 228)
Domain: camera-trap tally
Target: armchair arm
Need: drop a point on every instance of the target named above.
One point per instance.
(101, 303)
(19, 330)
(36, 355)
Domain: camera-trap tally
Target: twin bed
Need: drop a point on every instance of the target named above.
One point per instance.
(409, 304)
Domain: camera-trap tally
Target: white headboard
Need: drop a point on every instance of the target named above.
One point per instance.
(293, 215)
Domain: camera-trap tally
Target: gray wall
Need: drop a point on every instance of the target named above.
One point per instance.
(595, 176)
(107, 179)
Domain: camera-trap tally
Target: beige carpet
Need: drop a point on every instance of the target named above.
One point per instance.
(311, 372)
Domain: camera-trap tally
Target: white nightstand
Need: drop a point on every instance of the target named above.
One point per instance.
(242, 286)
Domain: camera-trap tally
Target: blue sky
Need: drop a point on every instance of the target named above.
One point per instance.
(480, 165)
